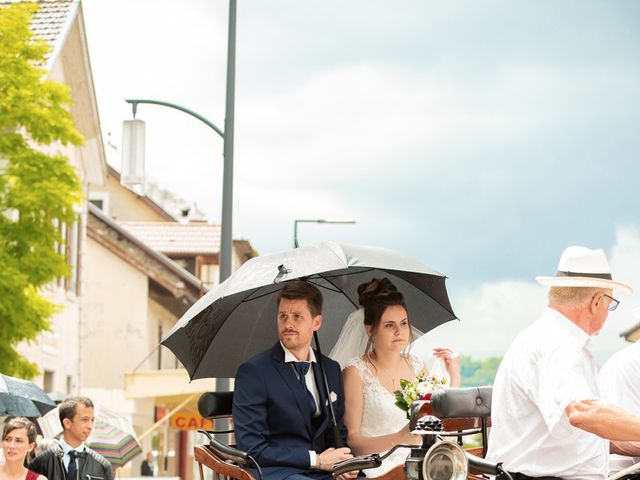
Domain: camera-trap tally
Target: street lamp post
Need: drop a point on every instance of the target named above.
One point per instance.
(320, 220)
(133, 171)
(133, 148)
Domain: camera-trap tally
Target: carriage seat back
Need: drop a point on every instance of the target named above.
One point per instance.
(468, 402)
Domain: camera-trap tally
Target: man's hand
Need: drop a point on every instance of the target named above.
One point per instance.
(347, 476)
(603, 419)
(630, 449)
(327, 459)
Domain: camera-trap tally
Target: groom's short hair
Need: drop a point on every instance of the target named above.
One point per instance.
(301, 290)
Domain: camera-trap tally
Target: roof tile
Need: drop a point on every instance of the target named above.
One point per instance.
(50, 19)
(49, 22)
(177, 238)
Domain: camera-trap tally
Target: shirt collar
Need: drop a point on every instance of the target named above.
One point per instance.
(66, 448)
(290, 357)
(574, 332)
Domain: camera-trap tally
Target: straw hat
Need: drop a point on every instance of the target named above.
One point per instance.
(583, 267)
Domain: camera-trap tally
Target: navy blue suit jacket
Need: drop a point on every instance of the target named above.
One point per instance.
(271, 416)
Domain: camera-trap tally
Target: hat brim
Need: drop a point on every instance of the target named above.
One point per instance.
(585, 282)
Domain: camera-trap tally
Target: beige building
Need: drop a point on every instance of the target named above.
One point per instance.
(56, 353)
(122, 204)
(133, 297)
(151, 270)
(123, 295)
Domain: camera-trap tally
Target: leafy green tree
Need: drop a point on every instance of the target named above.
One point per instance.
(478, 372)
(38, 189)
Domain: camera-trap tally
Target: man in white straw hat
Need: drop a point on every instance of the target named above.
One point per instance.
(547, 421)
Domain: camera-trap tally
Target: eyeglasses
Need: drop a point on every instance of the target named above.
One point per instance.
(614, 303)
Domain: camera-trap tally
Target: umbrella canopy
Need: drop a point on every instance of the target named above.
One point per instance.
(21, 398)
(112, 435)
(238, 318)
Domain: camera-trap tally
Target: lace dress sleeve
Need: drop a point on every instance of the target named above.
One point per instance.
(361, 366)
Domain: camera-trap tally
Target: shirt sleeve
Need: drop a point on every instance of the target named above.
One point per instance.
(619, 379)
(562, 378)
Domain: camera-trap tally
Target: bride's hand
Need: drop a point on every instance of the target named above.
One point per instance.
(451, 360)
(405, 436)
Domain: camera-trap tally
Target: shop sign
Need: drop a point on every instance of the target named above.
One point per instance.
(190, 421)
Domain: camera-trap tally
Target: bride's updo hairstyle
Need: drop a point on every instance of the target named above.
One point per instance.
(375, 296)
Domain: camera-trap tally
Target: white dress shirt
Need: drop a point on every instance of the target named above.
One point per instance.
(620, 385)
(66, 448)
(547, 367)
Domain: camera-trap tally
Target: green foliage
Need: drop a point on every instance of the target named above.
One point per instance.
(478, 372)
(38, 189)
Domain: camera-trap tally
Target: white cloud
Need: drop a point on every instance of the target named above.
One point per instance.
(491, 316)
(345, 121)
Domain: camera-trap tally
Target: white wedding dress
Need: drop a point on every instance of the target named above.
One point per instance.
(380, 416)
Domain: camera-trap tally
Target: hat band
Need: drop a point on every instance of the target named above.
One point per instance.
(604, 276)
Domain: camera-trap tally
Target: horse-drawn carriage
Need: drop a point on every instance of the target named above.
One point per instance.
(452, 415)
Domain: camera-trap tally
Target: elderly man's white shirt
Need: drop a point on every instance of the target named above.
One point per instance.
(620, 385)
(547, 367)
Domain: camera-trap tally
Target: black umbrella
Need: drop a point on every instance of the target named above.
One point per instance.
(21, 398)
(237, 319)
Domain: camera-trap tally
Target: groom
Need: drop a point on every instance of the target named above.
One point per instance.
(280, 405)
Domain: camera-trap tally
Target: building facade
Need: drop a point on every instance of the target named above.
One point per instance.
(123, 294)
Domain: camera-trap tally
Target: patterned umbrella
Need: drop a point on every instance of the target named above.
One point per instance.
(112, 435)
(21, 398)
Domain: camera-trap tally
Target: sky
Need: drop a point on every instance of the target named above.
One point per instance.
(480, 137)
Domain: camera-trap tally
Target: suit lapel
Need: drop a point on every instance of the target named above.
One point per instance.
(289, 377)
(317, 372)
(324, 406)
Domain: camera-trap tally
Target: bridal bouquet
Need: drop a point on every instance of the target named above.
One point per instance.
(421, 388)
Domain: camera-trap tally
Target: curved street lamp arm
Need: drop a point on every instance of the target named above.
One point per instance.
(134, 103)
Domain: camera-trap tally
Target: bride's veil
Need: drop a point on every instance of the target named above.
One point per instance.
(353, 338)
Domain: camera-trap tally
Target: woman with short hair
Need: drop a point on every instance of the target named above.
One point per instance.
(18, 442)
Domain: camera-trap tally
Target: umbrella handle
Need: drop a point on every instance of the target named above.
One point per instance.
(337, 434)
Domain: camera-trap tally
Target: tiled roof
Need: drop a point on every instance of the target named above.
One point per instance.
(190, 279)
(50, 23)
(50, 19)
(177, 238)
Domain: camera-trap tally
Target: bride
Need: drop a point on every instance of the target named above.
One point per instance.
(381, 330)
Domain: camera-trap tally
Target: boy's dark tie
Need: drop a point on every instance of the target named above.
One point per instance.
(72, 470)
